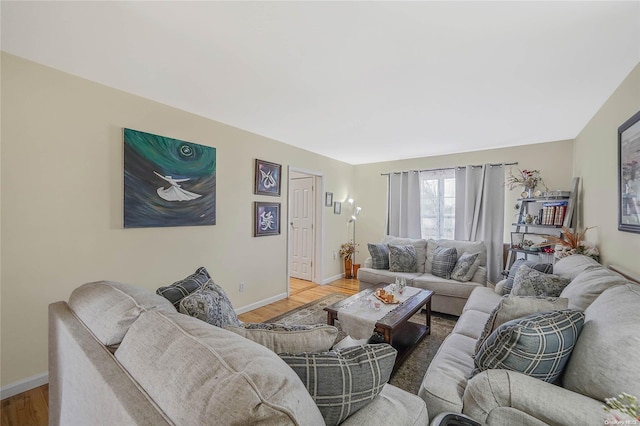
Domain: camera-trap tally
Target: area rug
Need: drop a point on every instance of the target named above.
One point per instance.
(409, 375)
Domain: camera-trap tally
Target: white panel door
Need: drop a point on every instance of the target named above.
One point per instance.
(301, 222)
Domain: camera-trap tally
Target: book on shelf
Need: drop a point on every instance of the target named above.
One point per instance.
(553, 212)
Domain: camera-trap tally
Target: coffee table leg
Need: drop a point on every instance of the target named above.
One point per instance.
(428, 309)
(331, 317)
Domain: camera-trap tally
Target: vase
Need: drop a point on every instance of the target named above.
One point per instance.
(356, 266)
(347, 268)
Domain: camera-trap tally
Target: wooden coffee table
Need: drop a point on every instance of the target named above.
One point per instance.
(395, 327)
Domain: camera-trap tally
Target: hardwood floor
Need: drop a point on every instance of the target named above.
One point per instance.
(31, 408)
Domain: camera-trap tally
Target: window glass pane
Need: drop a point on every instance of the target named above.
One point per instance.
(438, 203)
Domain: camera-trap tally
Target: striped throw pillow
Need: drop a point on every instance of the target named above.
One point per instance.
(444, 260)
(379, 256)
(180, 289)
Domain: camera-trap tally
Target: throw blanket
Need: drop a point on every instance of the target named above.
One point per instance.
(359, 318)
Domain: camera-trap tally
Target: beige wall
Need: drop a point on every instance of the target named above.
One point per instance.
(596, 160)
(553, 159)
(62, 192)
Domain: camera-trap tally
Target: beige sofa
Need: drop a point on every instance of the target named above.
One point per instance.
(603, 364)
(121, 355)
(449, 295)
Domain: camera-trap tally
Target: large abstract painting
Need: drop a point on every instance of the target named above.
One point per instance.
(167, 182)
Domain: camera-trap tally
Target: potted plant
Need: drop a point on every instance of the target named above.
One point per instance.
(346, 251)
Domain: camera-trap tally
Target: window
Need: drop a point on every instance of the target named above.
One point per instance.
(438, 203)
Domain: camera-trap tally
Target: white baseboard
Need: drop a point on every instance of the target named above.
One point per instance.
(24, 385)
(261, 303)
(331, 279)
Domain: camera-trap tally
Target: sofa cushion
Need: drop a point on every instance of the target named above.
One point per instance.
(402, 258)
(444, 260)
(530, 282)
(197, 373)
(379, 256)
(108, 308)
(344, 381)
(571, 266)
(443, 384)
(604, 361)
(538, 345)
(589, 284)
(419, 244)
(289, 338)
(393, 406)
(210, 304)
(465, 267)
(482, 299)
(460, 246)
(546, 268)
(180, 289)
(513, 307)
(471, 324)
(444, 287)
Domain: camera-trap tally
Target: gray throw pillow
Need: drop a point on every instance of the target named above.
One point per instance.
(210, 304)
(465, 267)
(180, 289)
(289, 338)
(546, 268)
(344, 381)
(379, 256)
(444, 260)
(530, 282)
(514, 307)
(538, 345)
(402, 259)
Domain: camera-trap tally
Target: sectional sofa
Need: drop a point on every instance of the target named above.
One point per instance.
(122, 355)
(603, 364)
(450, 295)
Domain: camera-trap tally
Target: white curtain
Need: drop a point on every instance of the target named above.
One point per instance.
(480, 211)
(403, 211)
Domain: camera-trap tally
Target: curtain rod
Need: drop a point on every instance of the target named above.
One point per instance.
(446, 168)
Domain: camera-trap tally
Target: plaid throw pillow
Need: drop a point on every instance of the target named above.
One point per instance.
(344, 381)
(444, 260)
(538, 345)
(180, 289)
(402, 259)
(379, 256)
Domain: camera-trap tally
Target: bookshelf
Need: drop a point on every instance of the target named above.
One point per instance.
(551, 213)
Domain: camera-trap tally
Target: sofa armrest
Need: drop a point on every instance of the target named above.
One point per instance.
(480, 276)
(368, 262)
(495, 390)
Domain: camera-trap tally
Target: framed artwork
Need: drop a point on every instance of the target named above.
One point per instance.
(266, 219)
(328, 199)
(267, 178)
(337, 207)
(629, 175)
(167, 182)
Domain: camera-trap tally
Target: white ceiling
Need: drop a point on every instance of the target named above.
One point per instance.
(359, 82)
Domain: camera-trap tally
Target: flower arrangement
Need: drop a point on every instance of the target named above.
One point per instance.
(622, 406)
(530, 179)
(347, 250)
(570, 243)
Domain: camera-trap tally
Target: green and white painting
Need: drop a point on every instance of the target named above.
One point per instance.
(167, 182)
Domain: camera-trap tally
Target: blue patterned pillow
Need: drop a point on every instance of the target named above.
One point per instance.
(530, 282)
(379, 256)
(444, 260)
(546, 268)
(402, 259)
(465, 267)
(210, 304)
(180, 289)
(344, 381)
(538, 345)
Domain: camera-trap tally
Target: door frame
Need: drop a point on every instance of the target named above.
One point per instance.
(318, 223)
